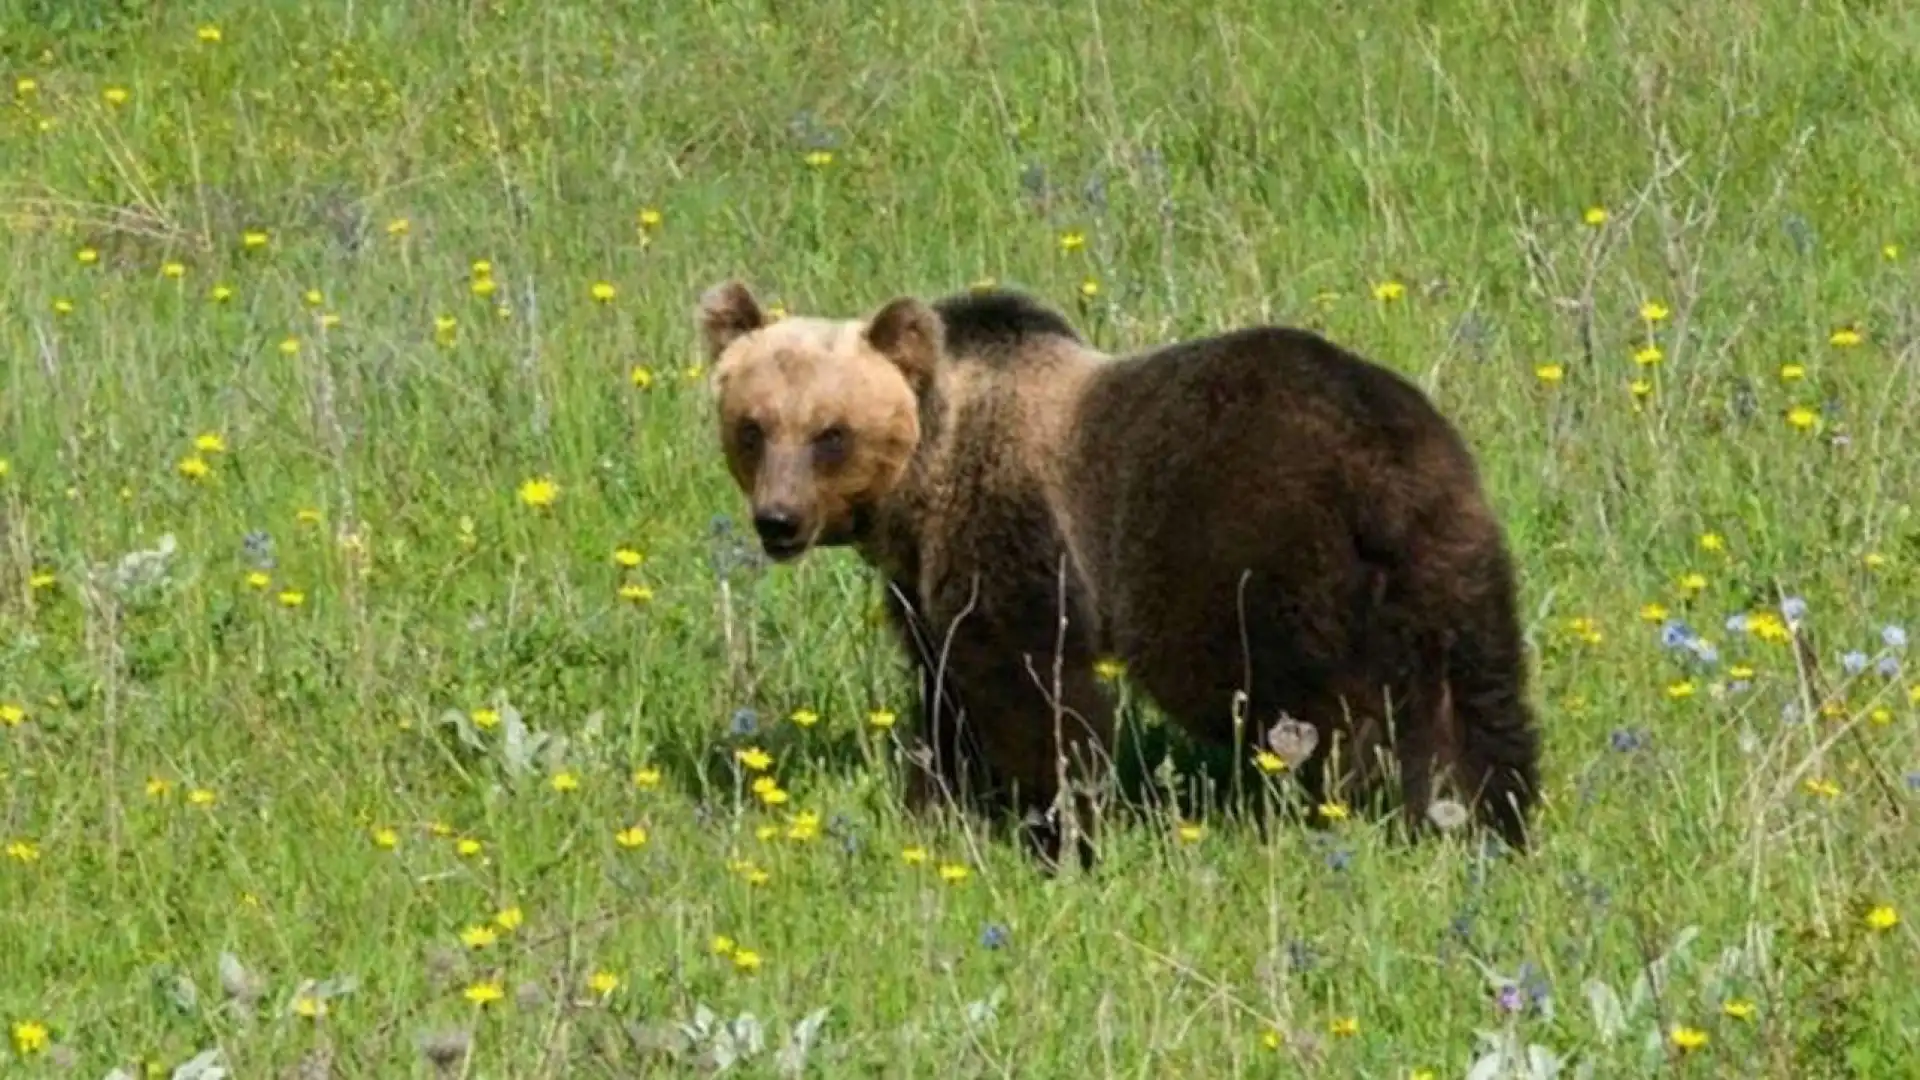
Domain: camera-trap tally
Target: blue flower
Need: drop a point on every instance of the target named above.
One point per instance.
(993, 936)
(1895, 637)
(1737, 623)
(1793, 609)
(1675, 634)
(745, 722)
(1888, 667)
(1854, 662)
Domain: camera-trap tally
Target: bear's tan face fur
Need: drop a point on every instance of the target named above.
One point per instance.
(818, 417)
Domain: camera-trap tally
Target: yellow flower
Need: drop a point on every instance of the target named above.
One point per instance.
(603, 291)
(211, 442)
(1090, 288)
(25, 86)
(1595, 216)
(1738, 1008)
(1881, 717)
(820, 159)
(478, 937)
(41, 579)
(5, 467)
(640, 377)
(1873, 559)
(746, 960)
(1190, 833)
(1334, 811)
(1648, 356)
(635, 594)
(467, 847)
(1272, 1039)
(1823, 788)
(484, 994)
(646, 778)
(289, 346)
(254, 238)
(202, 797)
(913, 856)
(1550, 373)
(722, 945)
(564, 782)
(484, 718)
(632, 836)
(193, 467)
(509, 918)
(773, 795)
(1653, 311)
(158, 787)
(1712, 541)
(292, 598)
(649, 218)
(309, 1007)
(1110, 669)
(1883, 917)
(1687, 1038)
(1653, 612)
(1345, 1027)
(1680, 691)
(115, 95)
(1072, 241)
(627, 557)
(399, 226)
(385, 839)
(1740, 671)
(1792, 372)
(954, 873)
(1269, 762)
(30, 1037)
(539, 492)
(881, 718)
(209, 34)
(87, 256)
(259, 579)
(754, 758)
(805, 718)
(63, 307)
(1693, 583)
(1844, 338)
(804, 826)
(1890, 252)
(23, 851)
(12, 714)
(1802, 417)
(482, 286)
(603, 982)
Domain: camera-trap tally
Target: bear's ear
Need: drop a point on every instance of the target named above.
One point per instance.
(908, 333)
(727, 313)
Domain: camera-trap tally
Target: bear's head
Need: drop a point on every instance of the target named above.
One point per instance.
(819, 418)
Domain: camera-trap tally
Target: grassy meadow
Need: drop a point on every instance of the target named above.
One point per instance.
(390, 686)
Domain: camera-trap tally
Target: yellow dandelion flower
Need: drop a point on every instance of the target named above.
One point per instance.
(5, 467)
(649, 218)
(1653, 612)
(12, 714)
(202, 797)
(1344, 1027)
(564, 782)
(42, 579)
(1844, 338)
(1389, 291)
(640, 376)
(1090, 288)
(1738, 1008)
(1595, 216)
(1872, 559)
(1687, 1039)
(509, 918)
(193, 467)
(446, 329)
(914, 855)
(220, 294)
(482, 286)
(1550, 374)
(385, 839)
(646, 778)
(479, 937)
(158, 787)
(258, 579)
(1693, 583)
(87, 256)
(1890, 252)
(882, 719)
(292, 598)
(314, 297)
(1269, 762)
(211, 442)
(1740, 671)
(483, 994)
(173, 270)
(722, 945)
(1792, 372)
(804, 826)
(1190, 833)
(399, 226)
(309, 1007)
(1681, 690)
(754, 758)
(603, 982)
(1880, 717)
(774, 796)
(603, 291)
(1334, 811)
(539, 492)
(982, 284)
(116, 95)
(1712, 541)
(467, 847)
(1072, 241)
(635, 594)
(632, 836)
(1802, 417)
(765, 833)
(954, 873)
(1648, 355)
(819, 159)
(254, 238)
(30, 1037)
(209, 34)
(25, 851)
(1110, 669)
(746, 960)
(1653, 311)
(484, 718)
(1882, 917)
(805, 718)
(290, 346)
(627, 557)
(1820, 787)
(1272, 1039)
(63, 307)
(25, 86)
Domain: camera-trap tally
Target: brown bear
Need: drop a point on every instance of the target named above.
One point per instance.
(1259, 524)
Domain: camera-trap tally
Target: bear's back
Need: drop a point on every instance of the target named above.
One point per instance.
(1000, 328)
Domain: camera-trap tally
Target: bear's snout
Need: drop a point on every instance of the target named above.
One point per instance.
(779, 529)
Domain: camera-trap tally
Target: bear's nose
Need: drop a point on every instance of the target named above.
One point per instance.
(777, 525)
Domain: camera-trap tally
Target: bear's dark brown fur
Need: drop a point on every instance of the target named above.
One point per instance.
(1258, 513)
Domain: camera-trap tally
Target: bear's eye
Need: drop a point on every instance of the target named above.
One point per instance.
(830, 446)
(750, 435)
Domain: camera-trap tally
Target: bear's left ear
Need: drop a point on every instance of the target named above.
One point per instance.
(727, 313)
(908, 333)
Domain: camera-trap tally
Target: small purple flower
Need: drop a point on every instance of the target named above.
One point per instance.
(1794, 610)
(1675, 634)
(993, 936)
(1509, 999)
(1627, 740)
(1888, 667)
(1339, 859)
(745, 722)
(1853, 663)
(1737, 623)
(1893, 636)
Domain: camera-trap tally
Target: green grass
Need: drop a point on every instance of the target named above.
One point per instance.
(1224, 164)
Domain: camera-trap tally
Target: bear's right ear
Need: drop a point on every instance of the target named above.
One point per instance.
(910, 334)
(727, 313)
